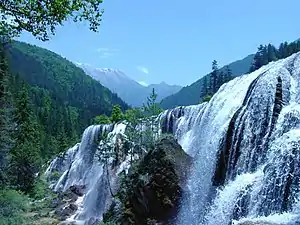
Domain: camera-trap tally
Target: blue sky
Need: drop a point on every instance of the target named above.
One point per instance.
(175, 41)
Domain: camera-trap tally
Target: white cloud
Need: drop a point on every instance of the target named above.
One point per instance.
(107, 52)
(102, 49)
(143, 69)
(143, 83)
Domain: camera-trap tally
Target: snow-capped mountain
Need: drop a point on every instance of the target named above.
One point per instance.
(129, 90)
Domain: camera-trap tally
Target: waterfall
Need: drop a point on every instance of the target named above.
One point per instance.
(247, 140)
(245, 143)
(80, 165)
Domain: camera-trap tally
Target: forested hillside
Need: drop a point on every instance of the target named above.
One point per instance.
(63, 98)
(208, 85)
(45, 102)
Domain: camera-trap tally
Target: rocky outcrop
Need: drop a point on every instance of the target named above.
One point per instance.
(151, 192)
(78, 189)
(64, 203)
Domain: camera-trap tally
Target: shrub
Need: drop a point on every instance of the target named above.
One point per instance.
(13, 205)
(206, 98)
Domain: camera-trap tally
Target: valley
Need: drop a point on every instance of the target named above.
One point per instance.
(94, 145)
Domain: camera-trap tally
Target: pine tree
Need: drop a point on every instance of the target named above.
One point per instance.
(116, 114)
(152, 108)
(204, 88)
(227, 74)
(221, 79)
(283, 50)
(260, 58)
(25, 155)
(214, 77)
(5, 114)
(272, 53)
(298, 45)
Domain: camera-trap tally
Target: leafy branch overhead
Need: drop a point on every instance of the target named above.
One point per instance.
(42, 17)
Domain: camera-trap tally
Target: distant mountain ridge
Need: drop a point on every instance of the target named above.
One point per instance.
(129, 90)
(63, 80)
(191, 95)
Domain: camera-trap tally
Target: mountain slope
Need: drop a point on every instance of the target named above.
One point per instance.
(65, 99)
(191, 94)
(163, 90)
(48, 70)
(129, 90)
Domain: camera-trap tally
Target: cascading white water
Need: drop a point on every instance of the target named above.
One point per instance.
(80, 165)
(246, 147)
(203, 127)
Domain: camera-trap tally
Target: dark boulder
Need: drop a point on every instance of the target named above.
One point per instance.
(64, 203)
(151, 192)
(65, 211)
(78, 189)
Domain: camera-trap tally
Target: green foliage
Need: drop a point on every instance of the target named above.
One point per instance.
(13, 205)
(151, 189)
(102, 119)
(45, 103)
(25, 155)
(133, 115)
(260, 58)
(107, 223)
(25, 119)
(64, 98)
(214, 77)
(206, 98)
(139, 134)
(41, 198)
(269, 53)
(6, 124)
(41, 18)
(116, 115)
(54, 101)
(65, 82)
(227, 74)
(152, 108)
(24, 164)
(41, 188)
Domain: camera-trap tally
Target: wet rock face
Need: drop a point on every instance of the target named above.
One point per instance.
(65, 211)
(78, 189)
(64, 203)
(150, 194)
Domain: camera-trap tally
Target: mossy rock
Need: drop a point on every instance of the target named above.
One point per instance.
(152, 191)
